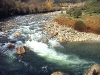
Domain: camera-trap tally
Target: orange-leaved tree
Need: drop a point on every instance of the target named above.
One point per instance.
(49, 4)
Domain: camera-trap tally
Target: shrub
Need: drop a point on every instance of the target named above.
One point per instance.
(74, 12)
(77, 13)
(70, 11)
(98, 30)
(80, 26)
(92, 6)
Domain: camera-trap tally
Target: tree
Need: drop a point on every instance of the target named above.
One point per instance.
(49, 4)
(92, 6)
(75, 12)
(7, 7)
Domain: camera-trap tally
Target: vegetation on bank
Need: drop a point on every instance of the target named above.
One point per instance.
(22, 7)
(85, 18)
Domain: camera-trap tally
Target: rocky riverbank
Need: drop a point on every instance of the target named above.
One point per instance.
(68, 34)
(93, 70)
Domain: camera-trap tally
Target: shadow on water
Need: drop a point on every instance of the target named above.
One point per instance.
(28, 64)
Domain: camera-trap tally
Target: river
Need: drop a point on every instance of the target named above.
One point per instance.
(43, 58)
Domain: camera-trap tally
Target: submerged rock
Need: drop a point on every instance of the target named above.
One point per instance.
(59, 73)
(10, 46)
(94, 70)
(45, 40)
(12, 41)
(22, 50)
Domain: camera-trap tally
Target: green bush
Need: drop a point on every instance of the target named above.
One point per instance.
(70, 11)
(77, 13)
(80, 26)
(92, 6)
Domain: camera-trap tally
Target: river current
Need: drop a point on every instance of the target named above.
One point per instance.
(43, 58)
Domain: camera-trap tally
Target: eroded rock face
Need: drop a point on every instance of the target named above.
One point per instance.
(22, 50)
(59, 73)
(94, 70)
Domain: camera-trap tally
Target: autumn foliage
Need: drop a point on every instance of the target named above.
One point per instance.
(49, 4)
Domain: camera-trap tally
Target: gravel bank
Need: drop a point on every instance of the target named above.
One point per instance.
(68, 34)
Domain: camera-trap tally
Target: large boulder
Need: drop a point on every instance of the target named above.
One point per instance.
(17, 33)
(94, 70)
(59, 73)
(26, 49)
(22, 50)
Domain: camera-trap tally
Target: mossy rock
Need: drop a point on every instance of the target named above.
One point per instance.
(80, 26)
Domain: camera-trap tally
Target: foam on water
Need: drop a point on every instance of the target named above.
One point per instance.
(54, 43)
(49, 54)
(6, 51)
(32, 39)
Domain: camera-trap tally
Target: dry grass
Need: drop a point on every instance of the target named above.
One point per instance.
(65, 21)
(92, 22)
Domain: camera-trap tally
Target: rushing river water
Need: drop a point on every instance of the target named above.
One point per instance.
(43, 58)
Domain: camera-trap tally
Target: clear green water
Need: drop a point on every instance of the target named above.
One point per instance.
(44, 58)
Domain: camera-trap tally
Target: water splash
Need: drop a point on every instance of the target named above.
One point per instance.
(51, 55)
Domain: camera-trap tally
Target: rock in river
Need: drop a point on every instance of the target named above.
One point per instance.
(10, 46)
(17, 33)
(94, 70)
(45, 40)
(22, 50)
(59, 73)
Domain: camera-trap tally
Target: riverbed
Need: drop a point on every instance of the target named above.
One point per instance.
(73, 58)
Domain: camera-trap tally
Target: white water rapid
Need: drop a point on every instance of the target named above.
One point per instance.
(30, 27)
